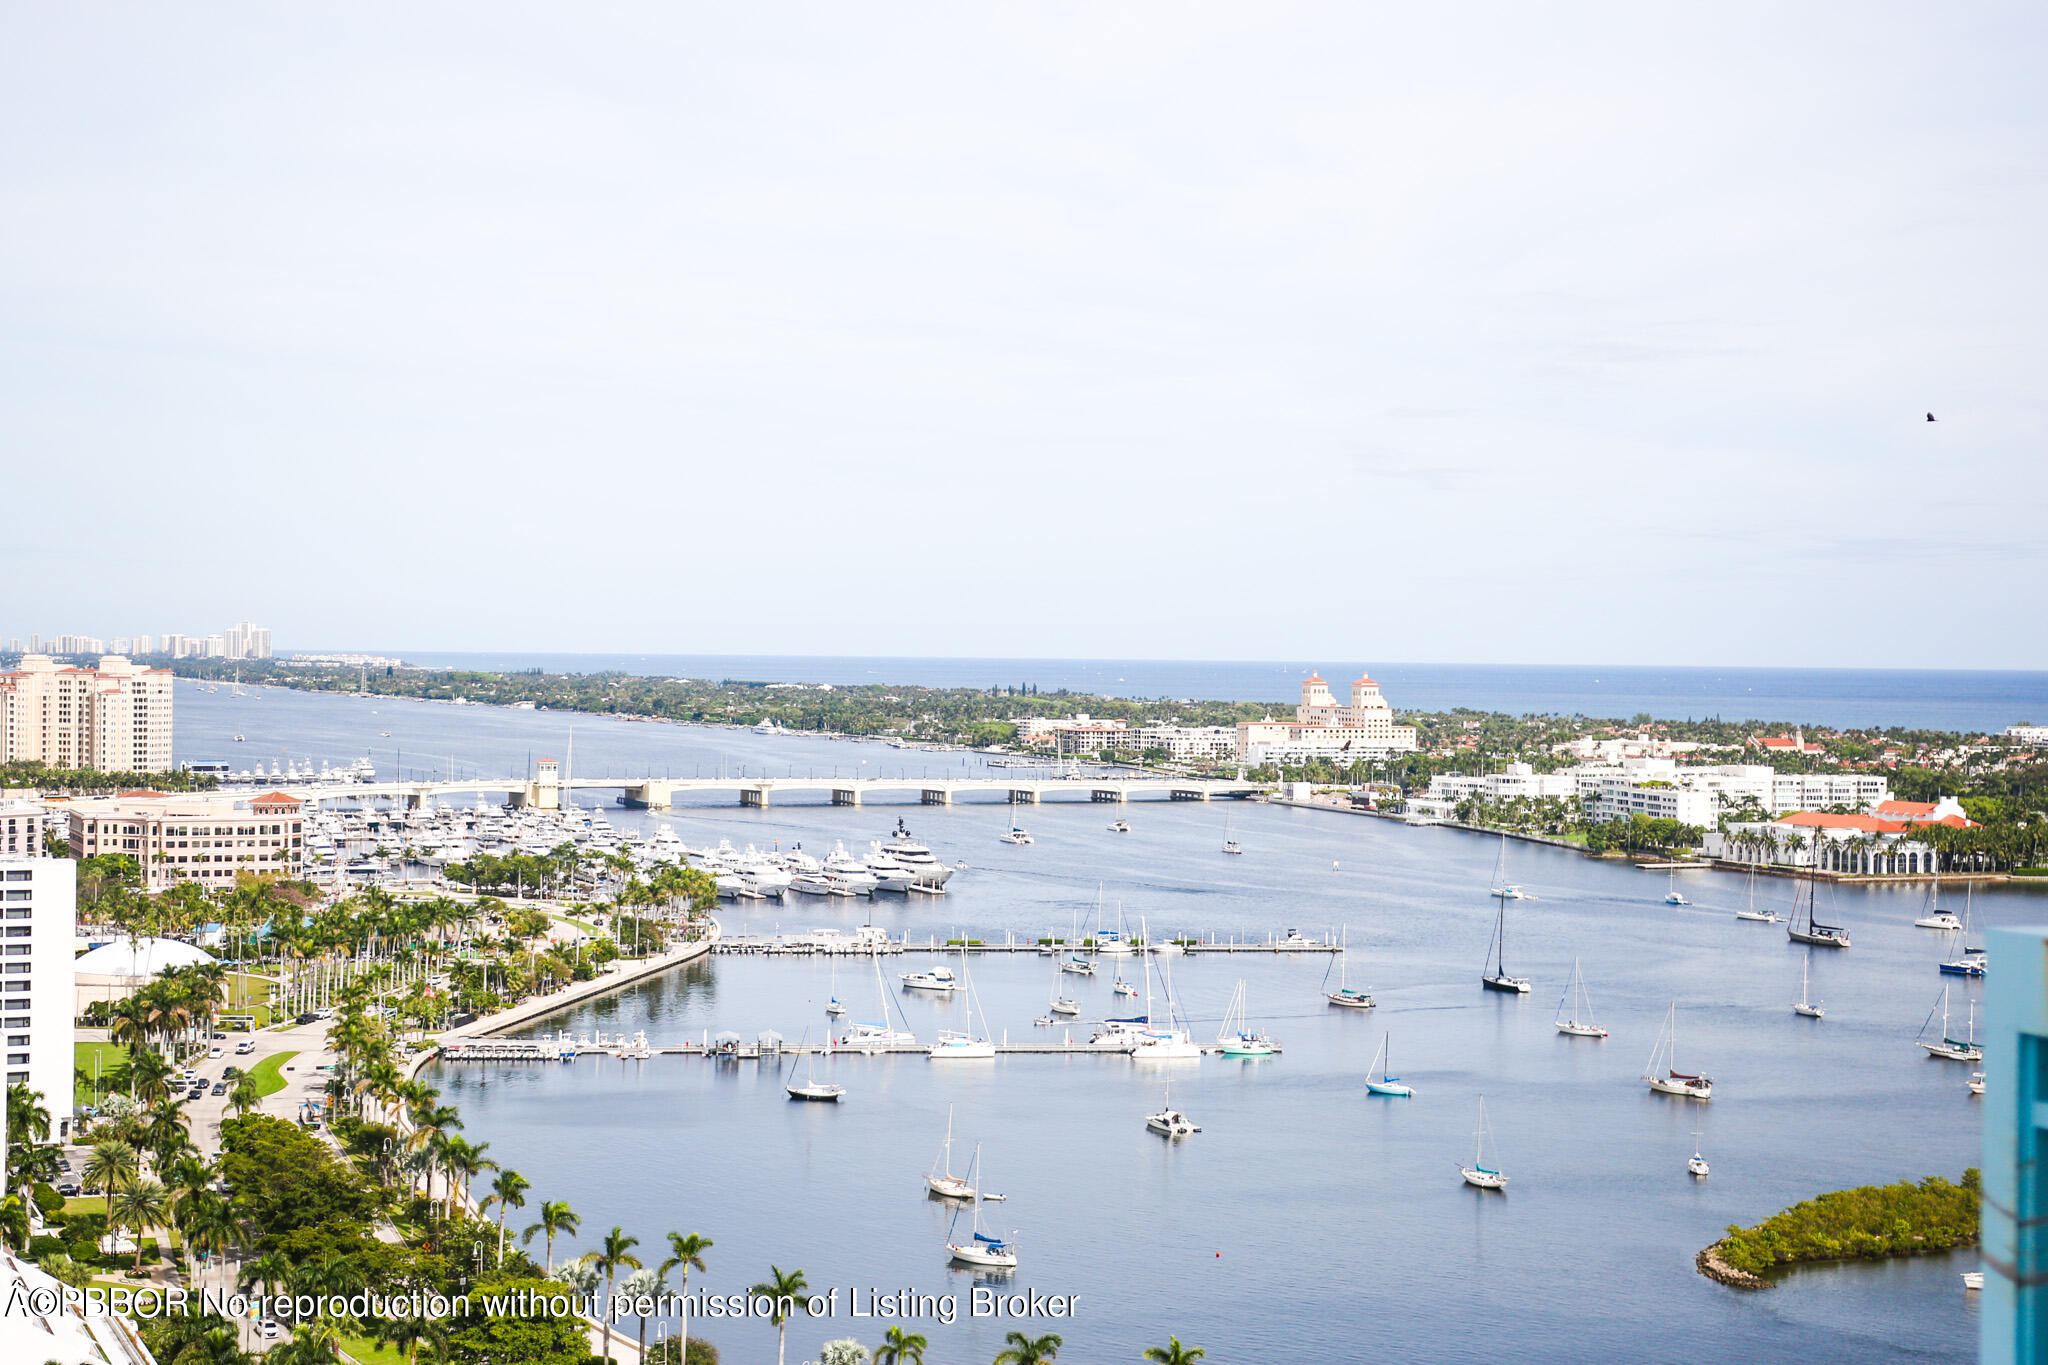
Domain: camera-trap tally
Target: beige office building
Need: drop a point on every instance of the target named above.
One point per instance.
(204, 839)
(115, 718)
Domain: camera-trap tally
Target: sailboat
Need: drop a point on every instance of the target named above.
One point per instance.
(1237, 1036)
(1344, 996)
(1815, 933)
(1579, 1021)
(1062, 1004)
(1502, 888)
(1662, 1071)
(1074, 962)
(1170, 1122)
(1751, 912)
(1016, 833)
(1971, 962)
(1479, 1173)
(1386, 1084)
(1672, 896)
(1952, 1049)
(1162, 1044)
(1122, 987)
(1229, 844)
(832, 1006)
(812, 1088)
(1936, 917)
(877, 1036)
(956, 1046)
(941, 1181)
(1119, 826)
(1803, 1006)
(1495, 975)
(983, 1249)
(1697, 1164)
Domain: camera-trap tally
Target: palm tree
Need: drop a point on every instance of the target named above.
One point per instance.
(685, 1249)
(246, 1095)
(789, 1293)
(269, 1272)
(645, 1282)
(508, 1192)
(555, 1217)
(409, 1333)
(112, 1164)
(1173, 1353)
(1025, 1350)
(137, 1205)
(616, 1251)
(900, 1348)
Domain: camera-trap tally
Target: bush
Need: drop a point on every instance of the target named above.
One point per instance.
(48, 1201)
(41, 1248)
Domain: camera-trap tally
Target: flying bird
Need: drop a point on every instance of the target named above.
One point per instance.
(1930, 417)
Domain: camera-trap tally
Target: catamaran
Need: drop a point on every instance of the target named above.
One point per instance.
(1119, 827)
(941, 1181)
(1237, 1037)
(1479, 1173)
(1803, 1006)
(1951, 1049)
(1016, 834)
(1578, 1022)
(1672, 896)
(1344, 996)
(878, 1036)
(984, 1250)
(1170, 1122)
(959, 1046)
(1662, 1072)
(1815, 933)
(1386, 1084)
(1495, 975)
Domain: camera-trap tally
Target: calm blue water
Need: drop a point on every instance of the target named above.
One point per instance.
(1301, 1190)
(1925, 698)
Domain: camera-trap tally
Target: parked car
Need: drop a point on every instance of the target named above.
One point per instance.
(308, 1017)
(68, 1189)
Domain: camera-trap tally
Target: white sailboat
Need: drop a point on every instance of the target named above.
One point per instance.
(1170, 1122)
(1662, 1072)
(1344, 997)
(941, 1181)
(1971, 961)
(1157, 1043)
(879, 1035)
(1016, 834)
(1936, 917)
(1578, 1021)
(1502, 888)
(1237, 1037)
(1672, 895)
(959, 1046)
(1230, 845)
(983, 1249)
(1061, 1004)
(1804, 1006)
(1479, 1173)
(1952, 1049)
(832, 1006)
(1386, 1084)
(1696, 1164)
(1751, 912)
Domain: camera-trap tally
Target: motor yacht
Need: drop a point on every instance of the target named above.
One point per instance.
(937, 979)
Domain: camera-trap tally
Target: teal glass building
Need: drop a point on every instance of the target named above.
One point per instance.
(2015, 1214)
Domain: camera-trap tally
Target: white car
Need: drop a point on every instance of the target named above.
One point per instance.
(215, 1053)
(245, 1047)
(268, 1329)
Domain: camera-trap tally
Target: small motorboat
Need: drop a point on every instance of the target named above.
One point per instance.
(1170, 1122)
(1976, 1082)
(1973, 1279)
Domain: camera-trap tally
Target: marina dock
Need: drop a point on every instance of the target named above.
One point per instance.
(833, 945)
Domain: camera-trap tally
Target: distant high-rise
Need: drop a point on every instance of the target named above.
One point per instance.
(246, 640)
(143, 643)
(113, 719)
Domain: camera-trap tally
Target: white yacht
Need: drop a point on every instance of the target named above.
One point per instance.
(1170, 1122)
(1479, 1174)
(1966, 1049)
(1016, 834)
(850, 872)
(931, 874)
(937, 979)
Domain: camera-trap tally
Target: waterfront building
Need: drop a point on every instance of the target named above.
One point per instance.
(1323, 729)
(2013, 1237)
(1187, 743)
(21, 829)
(38, 934)
(1867, 843)
(1794, 743)
(116, 718)
(2035, 736)
(203, 838)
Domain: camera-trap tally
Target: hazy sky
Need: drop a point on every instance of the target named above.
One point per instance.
(1521, 333)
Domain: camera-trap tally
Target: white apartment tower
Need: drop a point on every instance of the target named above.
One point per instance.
(116, 718)
(38, 932)
(246, 640)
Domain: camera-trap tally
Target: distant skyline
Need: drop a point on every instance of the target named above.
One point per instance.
(1496, 334)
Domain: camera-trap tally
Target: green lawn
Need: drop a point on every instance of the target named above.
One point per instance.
(366, 1350)
(269, 1073)
(86, 1203)
(109, 1056)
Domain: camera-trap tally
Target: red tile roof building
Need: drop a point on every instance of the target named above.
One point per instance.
(115, 718)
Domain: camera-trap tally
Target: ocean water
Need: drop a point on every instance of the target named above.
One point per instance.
(1307, 1220)
(1924, 698)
